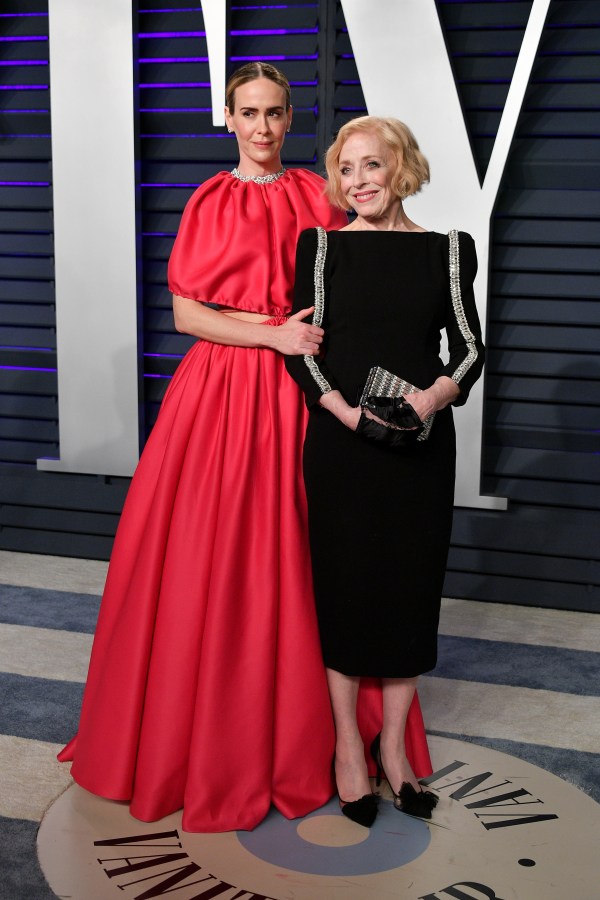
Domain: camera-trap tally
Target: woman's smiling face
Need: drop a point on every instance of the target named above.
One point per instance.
(366, 170)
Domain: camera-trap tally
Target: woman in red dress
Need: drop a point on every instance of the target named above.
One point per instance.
(206, 687)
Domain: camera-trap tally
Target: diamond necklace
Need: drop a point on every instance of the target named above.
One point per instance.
(258, 179)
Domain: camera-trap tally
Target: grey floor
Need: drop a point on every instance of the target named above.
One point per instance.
(520, 680)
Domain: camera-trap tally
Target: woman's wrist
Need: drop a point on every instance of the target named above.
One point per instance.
(445, 391)
(268, 338)
(337, 406)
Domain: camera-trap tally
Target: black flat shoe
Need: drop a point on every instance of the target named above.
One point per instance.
(408, 800)
(363, 811)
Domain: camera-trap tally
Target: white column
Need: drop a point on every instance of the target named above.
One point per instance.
(93, 175)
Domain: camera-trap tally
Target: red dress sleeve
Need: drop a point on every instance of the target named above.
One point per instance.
(236, 244)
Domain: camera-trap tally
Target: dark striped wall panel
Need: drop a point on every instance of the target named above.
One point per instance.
(28, 422)
(542, 381)
(541, 445)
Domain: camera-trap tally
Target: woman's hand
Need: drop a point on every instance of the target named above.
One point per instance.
(335, 403)
(296, 337)
(442, 392)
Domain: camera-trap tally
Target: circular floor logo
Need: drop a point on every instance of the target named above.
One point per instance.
(503, 830)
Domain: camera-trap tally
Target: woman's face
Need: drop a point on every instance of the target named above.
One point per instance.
(366, 170)
(260, 122)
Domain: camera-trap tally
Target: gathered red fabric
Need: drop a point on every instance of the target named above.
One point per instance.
(237, 241)
(206, 687)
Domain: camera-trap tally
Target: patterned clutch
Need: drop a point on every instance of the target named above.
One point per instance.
(381, 383)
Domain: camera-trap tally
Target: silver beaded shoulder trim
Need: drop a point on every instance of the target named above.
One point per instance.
(320, 257)
(459, 311)
(258, 179)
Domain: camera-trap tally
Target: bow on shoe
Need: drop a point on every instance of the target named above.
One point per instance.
(415, 803)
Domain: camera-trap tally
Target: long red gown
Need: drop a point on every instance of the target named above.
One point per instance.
(206, 687)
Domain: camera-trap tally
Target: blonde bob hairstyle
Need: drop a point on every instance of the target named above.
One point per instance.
(411, 169)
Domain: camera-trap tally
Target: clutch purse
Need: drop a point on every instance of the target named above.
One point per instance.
(381, 383)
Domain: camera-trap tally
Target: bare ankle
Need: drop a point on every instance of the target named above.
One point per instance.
(349, 749)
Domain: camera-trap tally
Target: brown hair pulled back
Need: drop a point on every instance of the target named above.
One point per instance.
(250, 72)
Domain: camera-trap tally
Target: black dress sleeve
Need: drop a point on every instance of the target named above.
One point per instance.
(310, 372)
(465, 345)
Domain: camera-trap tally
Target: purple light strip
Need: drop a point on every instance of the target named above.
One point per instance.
(164, 355)
(227, 137)
(200, 109)
(168, 34)
(23, 15)
(24, 87)
(169, 184)
(309, 56)
(172, 59)
(206, 84)
(25, 62)
(157, 376)
(203, 59)
(151, 109)
(195, 8)
(31, 349)
(275, 31)
(171, 9)
(175, 84)
(241, 32)
(24, 184)
(25, 369)
(36, 37)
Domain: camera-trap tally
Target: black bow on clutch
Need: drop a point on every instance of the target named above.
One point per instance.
(402, 428)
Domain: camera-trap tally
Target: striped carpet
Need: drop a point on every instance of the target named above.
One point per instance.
(520, 680)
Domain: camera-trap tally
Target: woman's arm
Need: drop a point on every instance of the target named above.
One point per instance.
(309, 371)
(462, 325)
(335, 404)
(464, 342)
(294, 337)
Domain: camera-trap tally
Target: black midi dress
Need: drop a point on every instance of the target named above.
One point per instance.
(379, 517)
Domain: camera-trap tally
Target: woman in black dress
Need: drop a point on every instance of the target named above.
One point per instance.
(380, 515)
